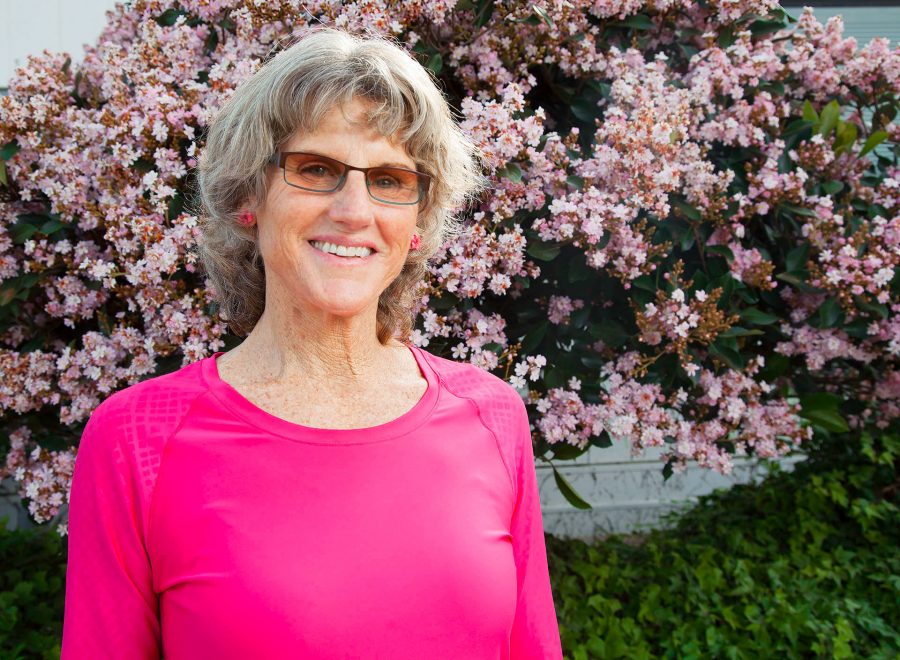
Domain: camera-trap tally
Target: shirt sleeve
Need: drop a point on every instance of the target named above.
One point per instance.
(535, 631)
(111, 609)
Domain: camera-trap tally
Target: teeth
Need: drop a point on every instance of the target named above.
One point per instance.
(341, 250)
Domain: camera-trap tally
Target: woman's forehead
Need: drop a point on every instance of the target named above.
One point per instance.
(339, 133)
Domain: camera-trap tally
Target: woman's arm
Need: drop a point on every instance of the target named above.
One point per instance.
(535, 632)
(111, 610)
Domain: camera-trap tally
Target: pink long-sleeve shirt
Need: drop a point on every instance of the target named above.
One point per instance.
(201, 526)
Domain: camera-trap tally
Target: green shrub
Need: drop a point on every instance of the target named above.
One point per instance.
(804, 564)
(32, 592)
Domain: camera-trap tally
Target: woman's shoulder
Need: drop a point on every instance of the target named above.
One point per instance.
(487, 391)
(126, 434)
(153, 404)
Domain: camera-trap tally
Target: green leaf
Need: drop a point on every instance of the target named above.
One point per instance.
(797, 126)
(757, 317)
(873, 141)
(575, 181)
(435, 64)
(534, 336)
(846, 136)
(21, 231)
(645, 282)
(544, 16)
(738, 331)
(668, 470)
(829, 118)
(212, 40)
(579, 271)
(4, 181)
(611, 332)
(564, 451)
(446, 301)
(7, 294)
(761, 28)
(799, 210)
(584, 109)
(687, 240)
(52, 225)
(543, 251)
(809, 113)
(797, 282)
(689, 211)
(568, 492)
(9, 150)
(776, 365)
(511, 171)
(484, 9)
(169, 16)
(728, 355)
(774, 87)
(797, 258)
(638, 22)
(822, 409)
(726, 37)
(580, 317)
(830, 313)
(721, 250)
(832, 187)
(872, 307)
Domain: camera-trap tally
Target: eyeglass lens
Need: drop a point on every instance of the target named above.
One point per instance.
(323, 174)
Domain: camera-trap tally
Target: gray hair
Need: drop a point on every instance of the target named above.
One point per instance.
(323, 69)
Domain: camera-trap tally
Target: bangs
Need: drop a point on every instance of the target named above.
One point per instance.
(394, 109)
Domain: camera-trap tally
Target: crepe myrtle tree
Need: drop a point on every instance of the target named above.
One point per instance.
(691, 240)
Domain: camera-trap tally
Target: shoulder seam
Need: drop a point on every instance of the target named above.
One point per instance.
(509, 469)
(151, 498)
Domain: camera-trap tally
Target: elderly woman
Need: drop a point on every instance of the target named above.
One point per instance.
(326, 489)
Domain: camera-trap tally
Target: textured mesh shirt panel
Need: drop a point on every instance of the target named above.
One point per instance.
(201, 526)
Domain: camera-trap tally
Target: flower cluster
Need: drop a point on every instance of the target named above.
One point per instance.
(726, 416)
(627, 142)
(44, 477)
(679, 322)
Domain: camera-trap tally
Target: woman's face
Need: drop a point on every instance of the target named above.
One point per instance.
(304, 276)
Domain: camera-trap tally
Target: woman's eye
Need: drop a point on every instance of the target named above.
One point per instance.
(386, 182)
(315, 170)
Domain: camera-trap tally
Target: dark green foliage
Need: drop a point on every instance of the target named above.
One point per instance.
(803, 565)
(32, 591)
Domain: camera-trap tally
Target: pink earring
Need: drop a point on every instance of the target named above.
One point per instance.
(415, 242)
(246, 218)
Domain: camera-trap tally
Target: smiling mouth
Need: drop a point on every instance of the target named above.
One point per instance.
(334, 250)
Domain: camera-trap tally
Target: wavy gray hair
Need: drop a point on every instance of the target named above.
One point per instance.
(323, 69)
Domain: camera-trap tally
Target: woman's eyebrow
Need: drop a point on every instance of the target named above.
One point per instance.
(388, 163)
(402, 166)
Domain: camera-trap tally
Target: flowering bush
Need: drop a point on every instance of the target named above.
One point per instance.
(692, 240)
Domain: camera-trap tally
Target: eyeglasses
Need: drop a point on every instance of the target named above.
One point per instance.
(392, 185)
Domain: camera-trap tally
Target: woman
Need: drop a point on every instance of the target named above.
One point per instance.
(324, 490)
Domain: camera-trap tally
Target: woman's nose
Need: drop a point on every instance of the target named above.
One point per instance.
(352, 202)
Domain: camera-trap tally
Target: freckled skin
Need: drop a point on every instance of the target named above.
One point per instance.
(316, 341)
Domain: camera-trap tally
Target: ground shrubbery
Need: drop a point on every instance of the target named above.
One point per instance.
(32, 589)
(803, 565)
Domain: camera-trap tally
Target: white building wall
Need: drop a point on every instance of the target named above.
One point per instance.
(30, 26)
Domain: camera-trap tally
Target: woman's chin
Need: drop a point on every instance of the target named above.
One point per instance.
(347, 305)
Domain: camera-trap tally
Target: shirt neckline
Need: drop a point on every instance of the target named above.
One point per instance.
(235, 403)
